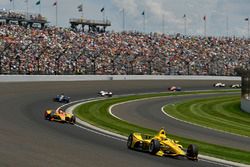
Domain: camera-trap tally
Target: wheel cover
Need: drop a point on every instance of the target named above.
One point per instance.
(151, 147)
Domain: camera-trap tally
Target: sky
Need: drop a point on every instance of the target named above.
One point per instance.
(223, 17)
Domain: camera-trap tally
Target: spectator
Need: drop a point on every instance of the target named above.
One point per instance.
(55, 50)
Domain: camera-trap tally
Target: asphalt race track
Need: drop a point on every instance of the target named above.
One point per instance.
(26, 139)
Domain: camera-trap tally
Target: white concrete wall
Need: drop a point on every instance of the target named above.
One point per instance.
(39, 78)
(245, 105)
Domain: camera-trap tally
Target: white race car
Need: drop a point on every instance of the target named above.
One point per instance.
(174, 88)
(105, 93)
(236, 86)
(219, 84)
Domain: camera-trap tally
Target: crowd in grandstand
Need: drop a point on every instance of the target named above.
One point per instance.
(55, 50)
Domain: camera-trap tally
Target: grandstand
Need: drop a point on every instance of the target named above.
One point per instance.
(22, 18)
(57, 50)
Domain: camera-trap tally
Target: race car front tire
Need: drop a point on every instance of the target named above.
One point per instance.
(130, 141)
(192, 152)
(154, 146)
(73, 120)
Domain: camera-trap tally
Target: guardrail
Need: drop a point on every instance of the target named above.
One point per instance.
(41, 78)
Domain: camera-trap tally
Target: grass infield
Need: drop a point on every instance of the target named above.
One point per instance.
(96, 113)
(222, 113)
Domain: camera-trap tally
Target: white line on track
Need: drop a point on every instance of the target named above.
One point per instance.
(216, 163)
(124, 139)
(194, 124)
(99, 131)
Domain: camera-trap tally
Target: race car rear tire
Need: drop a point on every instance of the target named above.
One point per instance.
(154, 146)
(130, 141)
(192, 151)
(46, 116)
(50, 118)
(65, 101)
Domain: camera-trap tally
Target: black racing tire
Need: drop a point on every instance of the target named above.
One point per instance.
(46, 116)
(65, 101)
(130, 141)
(154, 146)
(192, 151)
(73, 120)
(50, 118)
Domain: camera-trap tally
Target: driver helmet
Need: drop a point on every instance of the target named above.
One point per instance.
(60, 111)
(163, 134)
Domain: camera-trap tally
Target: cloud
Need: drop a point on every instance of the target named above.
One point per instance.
(131, 6)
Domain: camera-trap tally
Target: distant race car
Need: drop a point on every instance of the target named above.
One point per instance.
(174, 88)
(61, 98)
(105, 93)
(236, 86)
(219, 84)
(161, 145)
(59, 116)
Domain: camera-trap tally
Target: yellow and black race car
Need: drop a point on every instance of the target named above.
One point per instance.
(161, 145)
(59, 116)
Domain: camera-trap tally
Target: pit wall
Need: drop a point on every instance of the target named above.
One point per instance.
(245, 105)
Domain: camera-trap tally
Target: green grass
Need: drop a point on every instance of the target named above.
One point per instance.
(96, 113)
(222, 113)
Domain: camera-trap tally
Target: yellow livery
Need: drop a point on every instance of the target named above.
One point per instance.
(161, 145)
(59, 116)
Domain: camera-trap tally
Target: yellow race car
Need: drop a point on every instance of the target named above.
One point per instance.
(59, 116)
(161, 145)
